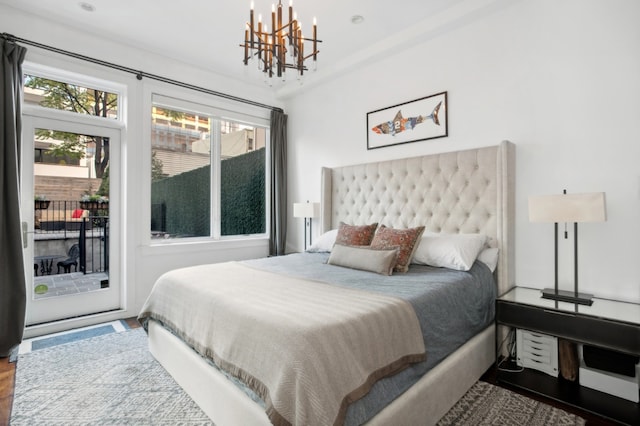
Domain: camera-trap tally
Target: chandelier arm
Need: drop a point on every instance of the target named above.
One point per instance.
(310, 55)
(310, 39)
(295, 67)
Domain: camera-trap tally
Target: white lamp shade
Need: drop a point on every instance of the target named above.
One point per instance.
(559, 208)
(306, 209)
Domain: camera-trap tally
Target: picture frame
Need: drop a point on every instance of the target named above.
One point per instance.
(417, 120)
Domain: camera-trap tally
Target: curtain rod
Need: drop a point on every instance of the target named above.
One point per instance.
(139, 74)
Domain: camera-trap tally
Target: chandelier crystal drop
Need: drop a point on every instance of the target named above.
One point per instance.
(280, 46)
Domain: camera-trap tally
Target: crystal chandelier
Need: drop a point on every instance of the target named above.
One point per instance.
(280, 47)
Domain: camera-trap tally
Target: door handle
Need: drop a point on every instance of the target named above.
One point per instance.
(25, 232)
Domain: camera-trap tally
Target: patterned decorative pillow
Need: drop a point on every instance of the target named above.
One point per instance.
(406, 239)
(355, 235)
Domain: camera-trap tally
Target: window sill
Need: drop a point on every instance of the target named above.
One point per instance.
(195, 246)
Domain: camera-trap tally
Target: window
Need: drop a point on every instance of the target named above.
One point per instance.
(55, 90)
(69, 97)
(209, 180)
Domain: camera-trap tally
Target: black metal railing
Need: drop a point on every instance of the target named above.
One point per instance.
(65, 216)
(62, 221)
(94, 244)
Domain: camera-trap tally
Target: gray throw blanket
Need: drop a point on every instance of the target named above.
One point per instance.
(307, 348)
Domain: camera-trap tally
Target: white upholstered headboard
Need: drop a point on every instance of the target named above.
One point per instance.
(469, 191)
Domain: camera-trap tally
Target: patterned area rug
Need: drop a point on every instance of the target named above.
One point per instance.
(486, 404)
(113, 380)
(106, 380)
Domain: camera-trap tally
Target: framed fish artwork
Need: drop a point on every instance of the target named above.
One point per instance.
(422, 119)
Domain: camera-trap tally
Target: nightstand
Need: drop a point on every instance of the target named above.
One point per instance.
(608, 324)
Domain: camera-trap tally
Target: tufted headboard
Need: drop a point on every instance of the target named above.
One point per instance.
(469, 191)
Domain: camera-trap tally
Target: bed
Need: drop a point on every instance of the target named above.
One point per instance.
(462, 192)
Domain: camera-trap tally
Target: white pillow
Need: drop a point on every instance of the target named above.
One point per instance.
(324, 243)
(453, 251)
(489, 256)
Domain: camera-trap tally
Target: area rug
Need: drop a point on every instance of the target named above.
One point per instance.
(105, 380)
(485, 404)
(112, 379)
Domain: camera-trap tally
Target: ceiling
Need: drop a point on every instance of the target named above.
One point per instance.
(207, 33)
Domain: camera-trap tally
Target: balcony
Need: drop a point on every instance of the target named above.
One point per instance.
(64, 223)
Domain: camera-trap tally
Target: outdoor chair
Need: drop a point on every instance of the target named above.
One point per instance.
(74, 254)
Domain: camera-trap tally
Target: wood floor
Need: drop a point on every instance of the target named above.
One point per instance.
(7, 382)
(591, 419)
(7, 385)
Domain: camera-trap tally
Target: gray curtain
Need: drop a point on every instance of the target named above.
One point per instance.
(12, 274)
(278, 225)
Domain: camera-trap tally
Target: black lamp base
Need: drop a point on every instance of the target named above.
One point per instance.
(568, 296)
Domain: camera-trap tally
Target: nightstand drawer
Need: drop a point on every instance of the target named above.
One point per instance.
(537, 351)
(537, 339)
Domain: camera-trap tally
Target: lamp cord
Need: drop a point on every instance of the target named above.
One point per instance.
(511, 349)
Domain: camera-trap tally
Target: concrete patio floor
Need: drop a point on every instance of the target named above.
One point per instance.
(66, 284)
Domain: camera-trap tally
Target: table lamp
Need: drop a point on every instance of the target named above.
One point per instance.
(307, 211)
(576, 208)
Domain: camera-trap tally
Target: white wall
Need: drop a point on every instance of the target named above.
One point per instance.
(560, 79)
(142, 263)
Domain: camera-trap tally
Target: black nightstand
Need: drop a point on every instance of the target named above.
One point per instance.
(608, 324)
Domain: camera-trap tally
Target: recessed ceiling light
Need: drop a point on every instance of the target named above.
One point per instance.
(357, 19)
(87, 7)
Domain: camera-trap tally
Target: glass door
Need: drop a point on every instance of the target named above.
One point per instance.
(70, 218)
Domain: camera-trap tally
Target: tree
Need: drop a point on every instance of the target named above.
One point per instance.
(156, 167)
(68, 97)
(104, 184)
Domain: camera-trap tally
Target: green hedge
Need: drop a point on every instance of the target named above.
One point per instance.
(186, 199)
